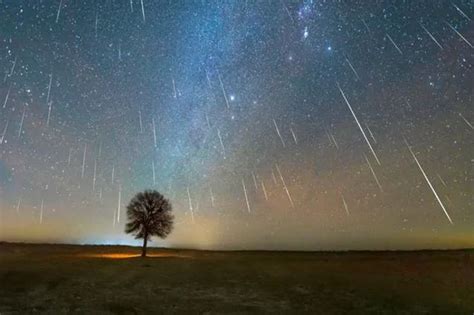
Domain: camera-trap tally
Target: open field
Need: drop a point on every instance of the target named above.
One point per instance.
(60, 279)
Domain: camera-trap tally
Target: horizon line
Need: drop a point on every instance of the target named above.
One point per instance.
(240, 250)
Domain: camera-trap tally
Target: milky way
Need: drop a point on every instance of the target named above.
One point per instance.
(268, 124)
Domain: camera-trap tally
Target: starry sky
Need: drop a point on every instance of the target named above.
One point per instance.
(275, 124)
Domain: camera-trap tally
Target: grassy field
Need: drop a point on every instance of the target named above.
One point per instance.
(59, 279)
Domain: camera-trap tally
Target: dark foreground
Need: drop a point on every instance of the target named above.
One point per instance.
(59, 279)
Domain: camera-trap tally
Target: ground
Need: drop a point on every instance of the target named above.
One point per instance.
(60, 279)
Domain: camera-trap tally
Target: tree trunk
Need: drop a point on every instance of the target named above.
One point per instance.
(145, 239)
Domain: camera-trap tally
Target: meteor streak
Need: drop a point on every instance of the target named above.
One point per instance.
(394, 44)
(461, 12)
(143, 10)
(154, 130)
(223, 90)
(2, 139)
(49, 87)
(119, 203)
(59, 11)
(84, 160)
(345, 204)
(7, 96)
(21, 122)
(358, 124)
(221, 142)
(294, 135)
(190, 204)
(213, 200)
(284, 186)
(431, 36)
(18, 205)
(41, 212)
(278, 133)
(460, 35)
(353, 70)
(246, 197)
(94, 178)
(429, 182)
(373, 173)
(264, 190)
(466, 121)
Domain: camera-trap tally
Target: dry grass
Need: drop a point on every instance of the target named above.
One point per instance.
(59, 279)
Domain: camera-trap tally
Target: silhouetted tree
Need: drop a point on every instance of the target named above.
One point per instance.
(149, 214)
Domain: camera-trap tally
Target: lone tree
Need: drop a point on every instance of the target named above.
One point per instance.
(149, 214)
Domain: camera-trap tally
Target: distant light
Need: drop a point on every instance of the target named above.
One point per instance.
(232, 98)
(305, 33)
(329, 48)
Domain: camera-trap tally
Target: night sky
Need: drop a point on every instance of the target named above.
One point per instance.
(274, 124)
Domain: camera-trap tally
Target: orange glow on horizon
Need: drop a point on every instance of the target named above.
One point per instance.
(130, 255)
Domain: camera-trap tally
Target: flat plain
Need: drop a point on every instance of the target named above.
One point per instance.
(64, 279)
